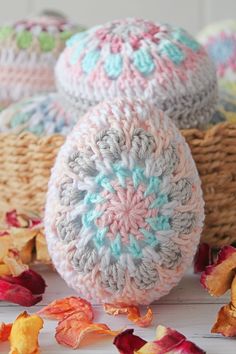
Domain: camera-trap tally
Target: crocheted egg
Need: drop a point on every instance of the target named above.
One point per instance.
(124, 209)
(29, 49)
(138, 58)
(219, 40)
(226, 108)
(40, 115)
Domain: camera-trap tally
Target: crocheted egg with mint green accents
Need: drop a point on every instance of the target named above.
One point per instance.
(124, 209)
(138, 58)
(219, 39)
(41, 115)
(29, 49)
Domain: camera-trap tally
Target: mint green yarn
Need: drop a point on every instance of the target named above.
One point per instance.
(150, 238)
(89, 217)
(76, 39)
(19, 119)
(122, 173)
(116, 246)
(113, 66)
(103, 181)
(161, 200)
(138, 176)
(76, 54)
(24, 39)
(90, 60)
(93, 198)
(99, 238)
(47, 42)
(153, 186)
(5, 32)
(160, 223)
(174, 53)
(134, 248)
(37, 129)
(143, 62)
(189, 42)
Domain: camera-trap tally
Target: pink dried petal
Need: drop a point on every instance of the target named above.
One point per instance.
(12, 218)
(30, 280)
(127, 343)
(17, 294)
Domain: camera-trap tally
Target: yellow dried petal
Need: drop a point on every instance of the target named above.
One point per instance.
(4, 270)
(42, 254)
(24, 334)
(5, 242)
(15, 265)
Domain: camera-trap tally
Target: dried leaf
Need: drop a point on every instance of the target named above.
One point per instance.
(126, 342)
(5, 330)
(17, 294)
(61, 308)
(24, 334)
(132, 312)
(71, 330)
(30, 280)
(217, 279)
(169, 341)
(202, 258)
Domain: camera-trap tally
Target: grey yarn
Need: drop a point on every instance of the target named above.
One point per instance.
(81, 164)
(113, 277)
(146, 275)
(111, 142)
(69, 194)
(183, 222)
(181, 190)
(142, 143)
(68, 230)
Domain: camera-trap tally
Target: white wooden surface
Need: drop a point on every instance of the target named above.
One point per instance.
(190, 14)
(188, 308)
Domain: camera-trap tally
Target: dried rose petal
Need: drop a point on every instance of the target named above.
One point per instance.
(14, 263)
(24, 334)
(12, 219)
(217, 279)
(61, 308)
(71, 330)
(30, 280)
(4, 270)
(226, 321)
(5, 330)
(169, 341)
(202, 258)
(127, 343)
(132, 312)
(17, 294)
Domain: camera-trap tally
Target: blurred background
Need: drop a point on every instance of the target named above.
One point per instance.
(190, 14)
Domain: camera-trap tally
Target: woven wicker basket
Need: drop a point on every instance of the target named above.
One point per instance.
(26, 160)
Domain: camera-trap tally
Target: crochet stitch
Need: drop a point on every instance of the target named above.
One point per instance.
(29, 49)
(138, 58)
(219, 39)
(40, 115)
(124, 209)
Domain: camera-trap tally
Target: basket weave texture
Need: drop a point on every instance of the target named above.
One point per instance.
(26, 161)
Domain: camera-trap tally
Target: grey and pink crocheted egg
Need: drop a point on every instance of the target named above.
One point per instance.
(137, 58)
(124, 209)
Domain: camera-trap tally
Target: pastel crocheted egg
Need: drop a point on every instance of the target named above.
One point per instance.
(40, 115)
(226, 108)
(29, 49)
(124, 209)
(219, 39)
(138, 58)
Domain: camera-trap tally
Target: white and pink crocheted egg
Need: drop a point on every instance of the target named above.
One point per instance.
(138, 58)
(124, 209)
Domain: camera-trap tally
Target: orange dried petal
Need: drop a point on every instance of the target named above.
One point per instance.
(217, 279)
(71, 330)
(4, 270)
(5, 330)
(226, 321)
(61, 308)
(132, 312)
(24, 334)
